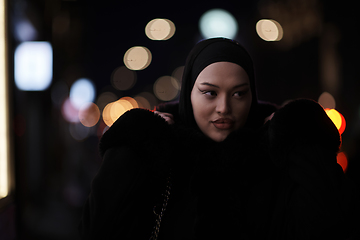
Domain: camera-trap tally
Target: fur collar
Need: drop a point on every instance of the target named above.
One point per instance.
(136, 127)
(301, 124)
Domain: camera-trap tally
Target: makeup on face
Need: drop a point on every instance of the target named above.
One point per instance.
(223, 123)
(221, 99)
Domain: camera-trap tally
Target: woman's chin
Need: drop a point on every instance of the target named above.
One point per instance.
(218, 136)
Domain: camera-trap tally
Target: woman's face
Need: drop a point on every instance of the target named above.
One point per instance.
(221, 99)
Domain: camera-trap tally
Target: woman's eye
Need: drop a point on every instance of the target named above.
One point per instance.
(240, 93)
(208, 93)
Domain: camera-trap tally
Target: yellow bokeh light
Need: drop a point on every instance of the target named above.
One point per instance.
(106, 115)
(114, 110)
(160, 29)
(105, 98)
(269, 30)
(131, 101)
(117, 109)
(166, 88)
(334, 116)
(89, 115)
(137, 58)
(326, 100)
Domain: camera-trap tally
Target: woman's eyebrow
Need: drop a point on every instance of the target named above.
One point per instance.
(213, 85)
(241, 85)
(209, 84)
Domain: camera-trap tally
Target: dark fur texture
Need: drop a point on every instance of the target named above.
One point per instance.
(301, 125)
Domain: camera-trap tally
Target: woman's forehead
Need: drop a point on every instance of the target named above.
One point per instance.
(223, 70)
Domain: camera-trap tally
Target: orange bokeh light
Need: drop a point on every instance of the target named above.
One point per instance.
(114, 110)
(106, 115)
(337, 118)
(342, 160)
(133, 102)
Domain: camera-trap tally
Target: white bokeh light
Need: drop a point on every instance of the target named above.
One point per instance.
(137, 58)
(269, 30)
(82, 92)
(218, 23)
(33, 66)
(160, 29)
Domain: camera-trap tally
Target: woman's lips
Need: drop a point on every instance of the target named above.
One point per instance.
(223, 123)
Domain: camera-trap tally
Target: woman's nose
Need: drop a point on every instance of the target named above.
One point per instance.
(223, 105)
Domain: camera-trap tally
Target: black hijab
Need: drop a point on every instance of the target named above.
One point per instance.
(202, 55)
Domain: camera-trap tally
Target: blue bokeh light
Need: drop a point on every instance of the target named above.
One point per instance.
(82, 92)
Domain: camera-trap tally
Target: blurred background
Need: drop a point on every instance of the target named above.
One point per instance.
(74, 66)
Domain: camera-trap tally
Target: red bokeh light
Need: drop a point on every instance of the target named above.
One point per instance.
(342, 160)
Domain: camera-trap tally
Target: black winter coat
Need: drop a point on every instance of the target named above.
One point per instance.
(277, 182)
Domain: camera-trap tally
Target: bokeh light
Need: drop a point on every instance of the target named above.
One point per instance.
(166, 88)
(89, 115)
(117, 109)
(334, 116)
(25, 30)
(142, 102)
(343, 124)
(150, 99)
(69, 112)
(269, 30)
(326, 100)
(137, 58)
(160, 29)
(104, 99)
(82, 92)
(218, 23)
(342, 160)
(129, 100)
(337, 118)
(123, 78)
(114, 110)
(106, 115)
(33, 66)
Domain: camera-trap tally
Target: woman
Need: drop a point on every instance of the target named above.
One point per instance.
(219, 172)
